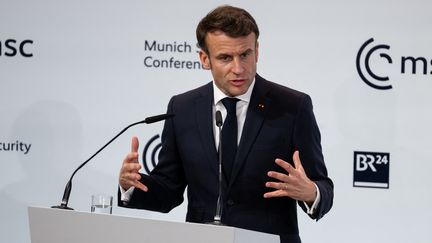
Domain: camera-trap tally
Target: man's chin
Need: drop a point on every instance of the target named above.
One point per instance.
(236, 91)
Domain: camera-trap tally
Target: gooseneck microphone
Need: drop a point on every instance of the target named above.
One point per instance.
(217, 217)
(68, 188)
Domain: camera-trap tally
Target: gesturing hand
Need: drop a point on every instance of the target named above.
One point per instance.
(129, 172)
(295, 184)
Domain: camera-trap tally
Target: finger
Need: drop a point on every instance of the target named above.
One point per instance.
(129, 173)
(285, 165)
(130, 164)
(131, 157)
(278, 176)
(276, 185)
(134, 145)
(129, 168)
(133, 179)
(278, 193)
(128, 179)
(297, 162)
(141, 186)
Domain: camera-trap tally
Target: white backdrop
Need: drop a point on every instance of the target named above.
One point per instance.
(72, 75)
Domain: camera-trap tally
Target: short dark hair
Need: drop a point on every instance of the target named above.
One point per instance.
(233, 21)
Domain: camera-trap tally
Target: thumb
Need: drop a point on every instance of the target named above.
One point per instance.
(134, 145)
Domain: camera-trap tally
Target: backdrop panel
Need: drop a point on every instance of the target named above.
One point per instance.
(74, 73)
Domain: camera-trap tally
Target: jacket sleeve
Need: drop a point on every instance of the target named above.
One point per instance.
(307, 140)
(166, 182)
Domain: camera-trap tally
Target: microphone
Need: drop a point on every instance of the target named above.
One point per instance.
(217, 217)
(218, 119)
(153, 119)
(68, 188)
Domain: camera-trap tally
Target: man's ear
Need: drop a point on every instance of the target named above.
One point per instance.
(205, 59)
(256, 51)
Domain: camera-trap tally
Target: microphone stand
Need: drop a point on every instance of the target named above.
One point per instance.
(68, 188)
(218, 215)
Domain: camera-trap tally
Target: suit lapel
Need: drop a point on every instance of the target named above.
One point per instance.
(204, 116)
(256, 112)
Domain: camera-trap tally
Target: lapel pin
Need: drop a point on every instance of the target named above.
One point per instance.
(261, 106)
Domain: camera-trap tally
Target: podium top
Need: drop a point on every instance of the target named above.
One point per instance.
(54, 225)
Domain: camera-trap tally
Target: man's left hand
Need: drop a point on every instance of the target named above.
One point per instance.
(295, 184)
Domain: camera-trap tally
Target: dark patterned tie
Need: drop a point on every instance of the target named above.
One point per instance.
(229, 136)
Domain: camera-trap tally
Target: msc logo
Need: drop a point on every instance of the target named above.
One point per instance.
(382, 82)
(149, 158)
(371, 169)
(12, 47)
(374, 76)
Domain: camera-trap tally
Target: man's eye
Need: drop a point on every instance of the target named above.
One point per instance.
(225, 58)
(244, 55)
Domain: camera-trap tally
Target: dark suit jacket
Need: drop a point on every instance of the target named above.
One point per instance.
(279, 121)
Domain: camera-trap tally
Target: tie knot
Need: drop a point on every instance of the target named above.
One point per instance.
(230, 104)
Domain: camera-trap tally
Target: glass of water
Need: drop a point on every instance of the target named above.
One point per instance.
(101, 203)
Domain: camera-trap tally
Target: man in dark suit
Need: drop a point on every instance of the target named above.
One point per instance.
(276, 160)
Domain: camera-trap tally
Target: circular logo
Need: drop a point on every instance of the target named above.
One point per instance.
(149, 158)
(365, 71)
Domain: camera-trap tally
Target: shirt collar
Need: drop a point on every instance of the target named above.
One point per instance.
(219, 95)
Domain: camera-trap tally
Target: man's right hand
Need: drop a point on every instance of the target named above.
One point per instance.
(129, 173)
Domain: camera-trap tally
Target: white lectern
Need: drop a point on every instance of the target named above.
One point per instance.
(55, 225)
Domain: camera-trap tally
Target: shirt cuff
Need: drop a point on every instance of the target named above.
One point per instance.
(311, 210)
(125, 195)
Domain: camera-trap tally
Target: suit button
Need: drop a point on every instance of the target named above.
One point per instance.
(230, 202)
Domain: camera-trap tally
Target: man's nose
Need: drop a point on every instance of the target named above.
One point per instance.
(237, 67)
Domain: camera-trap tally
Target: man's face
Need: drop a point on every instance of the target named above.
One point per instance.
(232, 61)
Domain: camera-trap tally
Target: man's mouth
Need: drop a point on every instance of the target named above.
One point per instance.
(238, 82)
